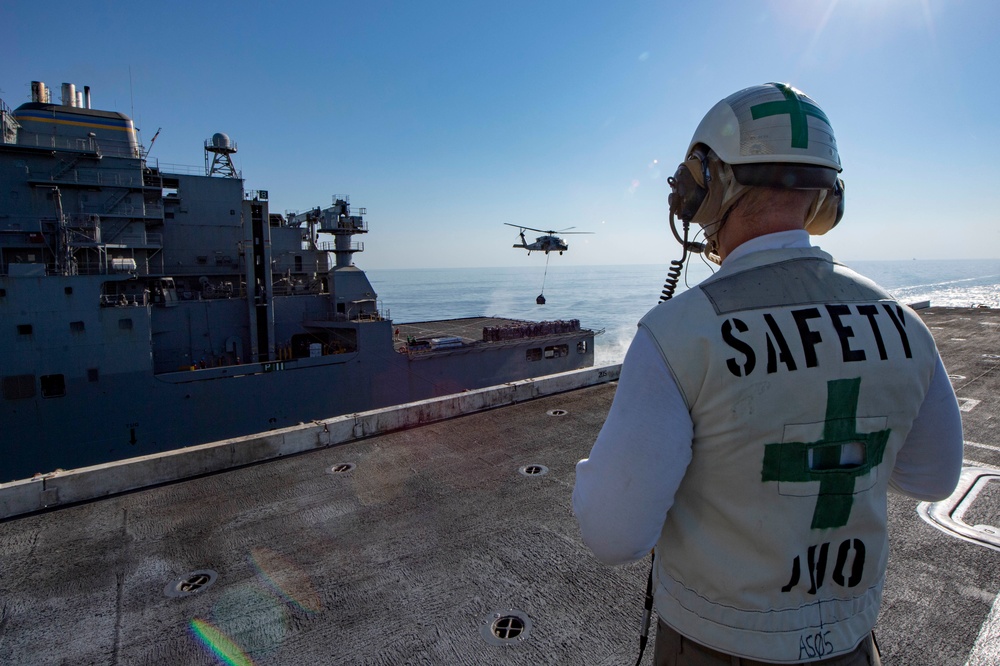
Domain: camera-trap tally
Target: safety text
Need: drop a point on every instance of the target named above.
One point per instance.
(781, 348)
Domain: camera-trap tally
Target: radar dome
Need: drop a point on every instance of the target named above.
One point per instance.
(220, 140)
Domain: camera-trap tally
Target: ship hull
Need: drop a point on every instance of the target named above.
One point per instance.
(129, 414)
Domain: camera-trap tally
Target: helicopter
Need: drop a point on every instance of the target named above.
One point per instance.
(547, 243)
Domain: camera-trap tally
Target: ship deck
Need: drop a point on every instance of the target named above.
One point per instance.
(469, 329)
(407, 547)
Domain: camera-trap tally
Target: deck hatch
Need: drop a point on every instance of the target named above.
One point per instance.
(557, 412)
(506, 627)
(534, 470)
(191, 583)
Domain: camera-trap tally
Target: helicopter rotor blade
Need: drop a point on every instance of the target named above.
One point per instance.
(518, 226)
(548, 232)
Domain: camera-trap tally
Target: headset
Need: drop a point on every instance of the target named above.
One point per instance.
(687, 195)
(689, 187)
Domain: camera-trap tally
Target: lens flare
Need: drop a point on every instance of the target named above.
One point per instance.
(285, 579)
(219, 643)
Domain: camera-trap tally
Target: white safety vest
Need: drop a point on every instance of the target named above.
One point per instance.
(803, 379)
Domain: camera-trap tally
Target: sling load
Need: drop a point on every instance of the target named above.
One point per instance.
(548, 242)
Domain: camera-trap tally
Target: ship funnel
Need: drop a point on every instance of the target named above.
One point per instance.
(68, 94)
(39, 93)
(86, 96)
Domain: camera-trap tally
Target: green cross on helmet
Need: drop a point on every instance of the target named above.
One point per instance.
(772, 123)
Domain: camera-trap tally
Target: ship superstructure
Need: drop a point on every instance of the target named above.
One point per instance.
(143, 309)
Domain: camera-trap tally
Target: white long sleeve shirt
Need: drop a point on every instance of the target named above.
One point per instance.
(626, 487)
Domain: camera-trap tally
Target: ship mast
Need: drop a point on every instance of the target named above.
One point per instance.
(339, 221)
(222, 150)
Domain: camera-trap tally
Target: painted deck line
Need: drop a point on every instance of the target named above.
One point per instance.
(988, 447)
(986, 650)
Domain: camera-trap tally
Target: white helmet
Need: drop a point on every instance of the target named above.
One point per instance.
(772, 123)
(770, 135)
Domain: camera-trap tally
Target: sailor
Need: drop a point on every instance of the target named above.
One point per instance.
(762, 417)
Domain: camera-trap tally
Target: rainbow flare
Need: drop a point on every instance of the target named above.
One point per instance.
(219, 643)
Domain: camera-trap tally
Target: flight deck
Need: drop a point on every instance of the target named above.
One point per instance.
(451, 542)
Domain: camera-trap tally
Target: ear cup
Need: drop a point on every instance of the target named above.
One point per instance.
(830, 211)
(838, 192)
(686, 194)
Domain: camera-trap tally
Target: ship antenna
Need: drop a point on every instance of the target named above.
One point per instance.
(153, 140)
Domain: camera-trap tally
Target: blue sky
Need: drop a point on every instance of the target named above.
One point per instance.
(447, 119)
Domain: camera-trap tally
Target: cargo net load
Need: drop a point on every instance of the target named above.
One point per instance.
(529, 330)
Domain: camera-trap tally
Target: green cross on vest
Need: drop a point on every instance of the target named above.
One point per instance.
(789, 461)
(797, 111)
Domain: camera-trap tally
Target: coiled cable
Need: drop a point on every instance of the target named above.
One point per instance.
(673, 277)
(677, 265)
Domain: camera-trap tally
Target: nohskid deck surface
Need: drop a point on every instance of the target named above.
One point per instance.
(468, 329)
(450, 543)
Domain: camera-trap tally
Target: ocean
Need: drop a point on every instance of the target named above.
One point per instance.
(614, 298)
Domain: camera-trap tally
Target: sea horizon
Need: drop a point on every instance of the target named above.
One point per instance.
(611, 298)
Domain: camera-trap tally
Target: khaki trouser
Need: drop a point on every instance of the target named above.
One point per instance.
(672, 649)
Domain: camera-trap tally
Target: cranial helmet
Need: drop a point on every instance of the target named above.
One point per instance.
(770, 135)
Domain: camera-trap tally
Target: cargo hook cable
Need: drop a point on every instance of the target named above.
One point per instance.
(545, 273)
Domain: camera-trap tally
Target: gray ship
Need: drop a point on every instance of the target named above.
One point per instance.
(144, 310)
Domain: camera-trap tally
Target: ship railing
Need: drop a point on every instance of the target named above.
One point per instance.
(99, 177)
(328, 246)
(182, 169)
(368, 316)
(124, 300)
(106, 147)
(87, 268)
(351, 315)
(200, 269)
(120, 211)
(312, 287)
(346, 316)
(352, 224)
(77, 266)
(141, 239)
(8, 124)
